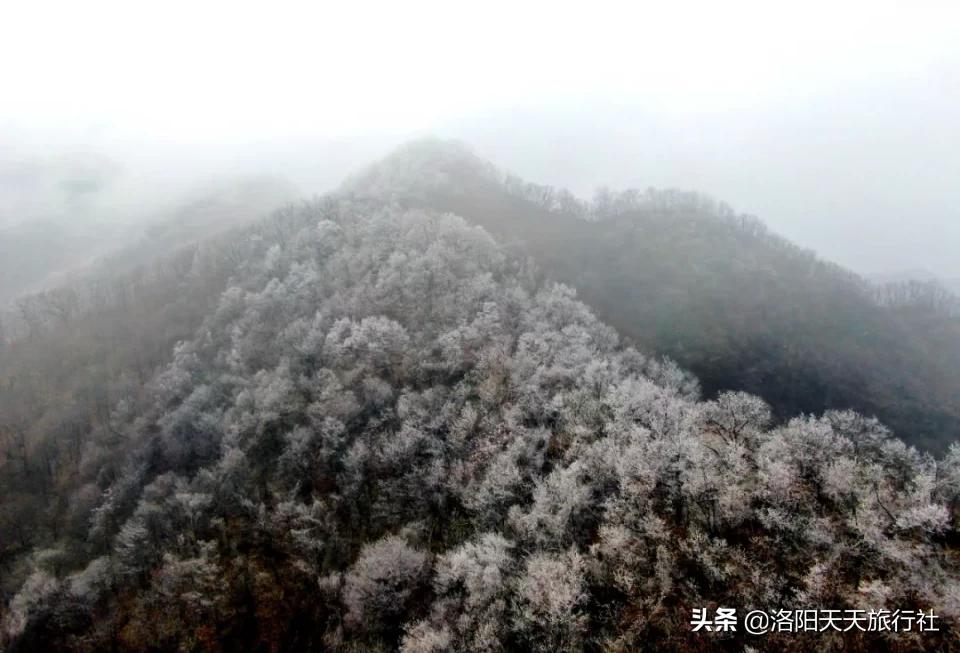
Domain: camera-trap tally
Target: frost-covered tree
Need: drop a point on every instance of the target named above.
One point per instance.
(383, 584)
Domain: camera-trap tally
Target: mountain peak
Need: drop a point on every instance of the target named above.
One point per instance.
(420, 167)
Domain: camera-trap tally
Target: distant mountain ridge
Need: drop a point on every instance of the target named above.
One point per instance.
(914, 277)
(42, 255)
(685, 276)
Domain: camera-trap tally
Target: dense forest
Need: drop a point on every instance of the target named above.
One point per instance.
(376, 421)
(742, 308)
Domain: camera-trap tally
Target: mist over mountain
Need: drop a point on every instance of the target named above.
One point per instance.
(438, 409)
(37, 255)
(32, 254)
(51, 186)
(685, 276)
(919, 275)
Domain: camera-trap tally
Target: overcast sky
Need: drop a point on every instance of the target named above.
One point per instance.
(836, 122)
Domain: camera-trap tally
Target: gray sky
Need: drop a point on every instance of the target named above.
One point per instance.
(837, 123)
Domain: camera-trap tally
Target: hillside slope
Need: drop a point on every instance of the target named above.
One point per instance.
(387, 431)
(682, 276)
(39, 255)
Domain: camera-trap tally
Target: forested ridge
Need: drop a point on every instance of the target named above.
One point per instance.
(739, 306)
(367, 423)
